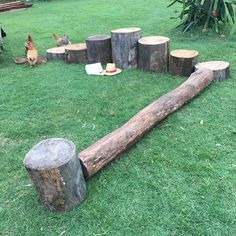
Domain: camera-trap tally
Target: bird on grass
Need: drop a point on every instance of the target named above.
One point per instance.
(31, 52)
(61, 41)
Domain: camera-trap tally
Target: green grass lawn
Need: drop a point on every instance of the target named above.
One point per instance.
(180, 179)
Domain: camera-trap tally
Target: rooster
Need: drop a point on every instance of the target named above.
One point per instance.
(31, 52)
(63, 41)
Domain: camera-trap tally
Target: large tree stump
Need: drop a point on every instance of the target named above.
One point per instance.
(76, 53)
(99, 49)
(124, 43)
(153, 53)
(182, 62)
(220, 69)
(57, 53)
(106, 149)
(56, 173)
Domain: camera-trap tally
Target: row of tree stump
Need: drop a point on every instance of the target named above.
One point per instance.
(127, 49)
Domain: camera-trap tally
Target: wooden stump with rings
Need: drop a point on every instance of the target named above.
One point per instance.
(124, 43)
(153, 53)
(99, 49)
(57, 53)
(56, 173)
(220, 69)
(182, 62)
(76, 53)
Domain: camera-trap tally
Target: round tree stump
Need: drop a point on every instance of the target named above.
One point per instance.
(153, 53)
(182, 62)
(56, 172)
(124, 43)
(57, 53)
(76, 53)
(221, 69)
(99, 49)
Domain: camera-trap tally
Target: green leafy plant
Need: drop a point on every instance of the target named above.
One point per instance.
(216, 14)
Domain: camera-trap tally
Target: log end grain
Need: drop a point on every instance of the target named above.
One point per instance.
(76, 47)
(182, 53)
(49, 154)
(98, 38)
(126, 30)
(154, 40)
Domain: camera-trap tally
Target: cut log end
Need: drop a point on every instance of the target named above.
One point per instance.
(49, 154)
(126, 30)
(56, 173)
(76, 47)
(220, 69)
(98, 37)
(184, 53)
(153, 40)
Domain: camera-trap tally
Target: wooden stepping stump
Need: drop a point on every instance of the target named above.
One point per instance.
(56, 172)
(221, 69)
(57, 53)
(182, 62)
(153, 53)
(99, 49)
(76, 53)
(124, 43)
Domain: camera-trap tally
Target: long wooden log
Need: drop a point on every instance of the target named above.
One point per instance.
(15, 7)
(11, 4)
(106, 149)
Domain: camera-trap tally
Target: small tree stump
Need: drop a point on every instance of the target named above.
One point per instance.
(99, 49)
(182, 62)
(153, 53)
(76, 53)
(57, 53)
(221, 69)
(56, 172)
(124, 47)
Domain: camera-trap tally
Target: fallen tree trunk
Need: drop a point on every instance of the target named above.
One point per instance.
(106, 149)
(6, 7)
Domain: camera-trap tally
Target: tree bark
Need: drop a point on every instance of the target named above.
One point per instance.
(56, 173)
(76, 53)
(57, 53)
(220, 69)
(182, 62)
(106, 149)
(124, 47)
(99, 49)
(153, 53)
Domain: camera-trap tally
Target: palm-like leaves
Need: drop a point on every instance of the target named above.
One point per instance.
(206, 13)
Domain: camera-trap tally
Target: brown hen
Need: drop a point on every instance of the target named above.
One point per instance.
(31, 52)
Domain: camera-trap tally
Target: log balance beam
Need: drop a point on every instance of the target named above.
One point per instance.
(59, 173)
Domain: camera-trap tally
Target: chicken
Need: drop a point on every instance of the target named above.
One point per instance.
(63, 41)
(31, 52)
